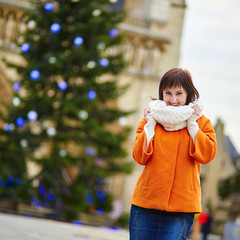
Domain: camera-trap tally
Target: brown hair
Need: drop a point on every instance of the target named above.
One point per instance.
(177, 77)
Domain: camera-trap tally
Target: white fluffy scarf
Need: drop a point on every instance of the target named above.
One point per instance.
(171, 118)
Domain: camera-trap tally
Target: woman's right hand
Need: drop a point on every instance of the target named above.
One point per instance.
(147, 110)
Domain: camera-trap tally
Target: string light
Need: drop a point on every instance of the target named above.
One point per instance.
(25, 47)
(113, 33)
(62, 153)
(7, 127)
(24, 143)
(32, 116)
(20, 122)
(51, 131)
(78, 41)
(55, 28)
(91, 95)
(31, 24)
(90, 151)
(16, 86)
(49, 7)
(35, 75)
(52, 60)
(103, 62)
(62, 85)
(96, 12)
(83, 114)
(16, 101)
(91, 64)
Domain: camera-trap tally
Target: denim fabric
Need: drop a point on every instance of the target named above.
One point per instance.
(150, 224)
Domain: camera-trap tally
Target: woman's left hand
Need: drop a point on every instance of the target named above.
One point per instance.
(197, 110)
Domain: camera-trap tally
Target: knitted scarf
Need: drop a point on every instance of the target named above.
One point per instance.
(171, 118)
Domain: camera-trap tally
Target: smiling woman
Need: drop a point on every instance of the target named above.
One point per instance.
(172, 141)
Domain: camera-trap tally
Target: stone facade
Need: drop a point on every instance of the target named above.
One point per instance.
(153, 35)
(12, 14)
(152, 30)
(223, 166)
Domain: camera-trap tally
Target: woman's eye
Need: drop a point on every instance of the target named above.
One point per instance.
(179, 93)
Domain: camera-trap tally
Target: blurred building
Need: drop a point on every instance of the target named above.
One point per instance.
(153, 31)
(12, 14)
(223, 166)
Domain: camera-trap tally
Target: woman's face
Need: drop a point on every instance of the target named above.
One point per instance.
(175, 96)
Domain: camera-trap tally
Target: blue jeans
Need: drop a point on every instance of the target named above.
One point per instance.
(151, 224)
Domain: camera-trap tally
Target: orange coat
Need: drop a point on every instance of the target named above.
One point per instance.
(171, 177)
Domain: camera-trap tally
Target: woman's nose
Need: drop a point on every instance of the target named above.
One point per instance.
(174, 99)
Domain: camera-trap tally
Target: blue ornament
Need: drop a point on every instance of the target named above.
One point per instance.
(103, 62)
(9, 181)
(113, 33)
(100, 211)
(41, 189)
(35, 75)
(101, 196)
(32, 116)
(49, 7)
(7, 127)
(62, 86)
(91, 95)
(90, 151)
(10, 178)
(78, 41)
(25, 47)
(88, 198)
(51, 197)
(20, 122)
(16, 86)
(55, 28)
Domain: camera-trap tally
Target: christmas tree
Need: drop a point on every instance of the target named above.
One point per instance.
(64, 114)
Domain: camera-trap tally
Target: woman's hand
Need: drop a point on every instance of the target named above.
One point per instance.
(197, 110)
(147, 110)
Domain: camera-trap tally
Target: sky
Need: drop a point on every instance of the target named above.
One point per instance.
(210, 50)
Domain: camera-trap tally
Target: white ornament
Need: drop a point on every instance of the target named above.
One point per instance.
(31, 24)
(83, 114)
(62, 153)
(91, 64)
(51, 131)
(96, 12)
(16, 101)
(101, 46)
(52, 60)
(113, 1)
(24, 143)
(32, 115)
(11, 126)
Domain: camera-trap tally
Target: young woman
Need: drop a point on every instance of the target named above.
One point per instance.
(172, 141)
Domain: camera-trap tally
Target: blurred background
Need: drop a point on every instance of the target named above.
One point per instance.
(75, 77)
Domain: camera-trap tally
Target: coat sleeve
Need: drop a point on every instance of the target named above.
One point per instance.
(139, 153)
(205, 147)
